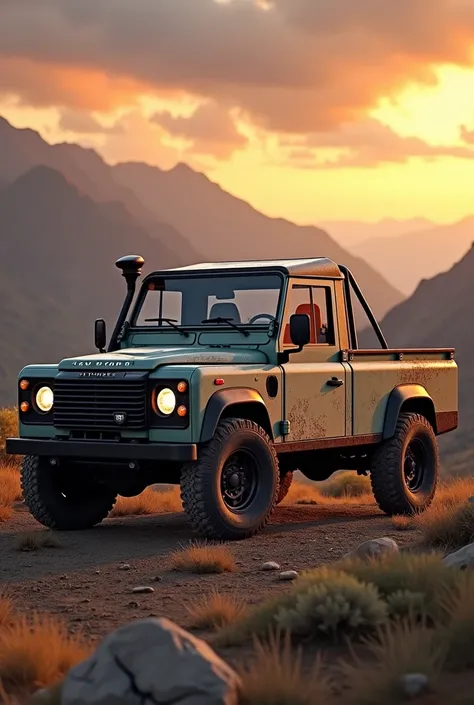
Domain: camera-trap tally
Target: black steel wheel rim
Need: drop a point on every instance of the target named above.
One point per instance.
(239, 480)
(414, 465)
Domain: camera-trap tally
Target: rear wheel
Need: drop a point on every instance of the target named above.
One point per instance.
(404, 470)
(232, 489)
(61, 500)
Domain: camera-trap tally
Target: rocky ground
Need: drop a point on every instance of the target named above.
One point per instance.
(89, 579)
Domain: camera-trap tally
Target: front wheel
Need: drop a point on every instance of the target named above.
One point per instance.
(61, 500)
(404, 470)
(231, 491)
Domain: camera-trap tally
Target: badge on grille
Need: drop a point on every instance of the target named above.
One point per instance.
(120, 418)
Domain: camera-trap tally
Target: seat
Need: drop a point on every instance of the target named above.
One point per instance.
(225, 310)
(314, 322)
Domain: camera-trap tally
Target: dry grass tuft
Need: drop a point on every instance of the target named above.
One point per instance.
(397, 650)
(6, 610)
(38, 653)
(148, 502)
(216, 610)
(456, 632)
(203, 558)
(346, 484)
(35, 540)
(274, 676)
(447, 526)
(10, 488)
(8, 428)
(331, 492)
(5, 514)
(402, 523)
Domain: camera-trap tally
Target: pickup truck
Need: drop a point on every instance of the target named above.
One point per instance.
(225, 378)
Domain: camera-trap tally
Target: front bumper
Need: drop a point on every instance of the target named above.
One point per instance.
(102, 450)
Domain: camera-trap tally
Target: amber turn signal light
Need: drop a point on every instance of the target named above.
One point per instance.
(182, 386)
(182, 410)
(24, 384)
(24, 406)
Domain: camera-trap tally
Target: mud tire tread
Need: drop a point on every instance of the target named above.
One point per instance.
(35, 501)
(385, 468)
(193, 479)
(286, 480)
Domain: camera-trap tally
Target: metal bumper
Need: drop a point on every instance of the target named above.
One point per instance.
(103, 450)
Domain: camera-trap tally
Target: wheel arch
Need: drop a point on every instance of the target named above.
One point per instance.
(408, 398)
(239, 402)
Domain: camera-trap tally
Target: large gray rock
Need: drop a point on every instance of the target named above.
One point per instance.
(151, 662)
(374, 548)
(464, 558)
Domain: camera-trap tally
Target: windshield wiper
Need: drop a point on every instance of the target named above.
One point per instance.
(219, 319)
(171, 322)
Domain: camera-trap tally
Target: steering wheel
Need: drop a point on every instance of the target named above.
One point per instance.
(261, 315)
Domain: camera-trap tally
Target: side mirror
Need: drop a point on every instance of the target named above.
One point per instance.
(100, 334)
(300, 329)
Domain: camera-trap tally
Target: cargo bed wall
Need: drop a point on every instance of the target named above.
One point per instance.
(375, 373)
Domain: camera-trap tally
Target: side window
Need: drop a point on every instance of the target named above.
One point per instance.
(316, 302)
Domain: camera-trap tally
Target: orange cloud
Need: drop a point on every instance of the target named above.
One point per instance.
(298, 66)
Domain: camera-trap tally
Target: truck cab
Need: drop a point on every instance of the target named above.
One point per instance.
(226, 378)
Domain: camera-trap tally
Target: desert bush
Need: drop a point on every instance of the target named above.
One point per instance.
(274, 676)
(455, 633)
(10, 487)
(216, 610)
(8, 428)
(148, 502)
(37, 653)
(35, 540)
(5, 514)
(422, 573)
(327, 602)
(396, 650)
(446, 525)
(203, 558)
(404, 604)
(335, 604)
(346, 484)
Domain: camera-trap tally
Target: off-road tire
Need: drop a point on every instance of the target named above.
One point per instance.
(201, 483)
(51, 508)
(387, 471)
(285, 483)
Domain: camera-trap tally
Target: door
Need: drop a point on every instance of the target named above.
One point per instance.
(315, 393)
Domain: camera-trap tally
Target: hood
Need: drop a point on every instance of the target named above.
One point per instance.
(150, 358)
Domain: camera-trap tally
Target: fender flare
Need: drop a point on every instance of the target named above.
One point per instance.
(397, 398)
(221, 400)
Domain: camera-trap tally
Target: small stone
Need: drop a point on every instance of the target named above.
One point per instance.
(270, 565)
(288, 575)
(124, 566)
(462, 559)
(471, 500)
(133, 603)
(414, 684)
(143, 589)
(97, 572)
(85, 600)
(374, 548)
(157, 579)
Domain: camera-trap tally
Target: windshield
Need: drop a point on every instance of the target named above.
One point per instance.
(196, 301)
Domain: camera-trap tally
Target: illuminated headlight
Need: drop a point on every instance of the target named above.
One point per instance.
(44, 399)
(166, 401)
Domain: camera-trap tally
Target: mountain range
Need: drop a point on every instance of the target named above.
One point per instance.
(407, 259)
(350, 233)
(66, 216)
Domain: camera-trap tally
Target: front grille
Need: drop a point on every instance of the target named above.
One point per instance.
(91, 403)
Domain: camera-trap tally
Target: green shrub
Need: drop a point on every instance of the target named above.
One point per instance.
(346, 484)
(404, 603)
(455, 633)
(334, 605)
(8, 428)
(417, 573)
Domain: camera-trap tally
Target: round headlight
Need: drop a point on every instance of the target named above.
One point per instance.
(166, 401)
(44, 399)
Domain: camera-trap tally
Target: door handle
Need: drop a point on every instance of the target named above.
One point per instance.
(335, 382)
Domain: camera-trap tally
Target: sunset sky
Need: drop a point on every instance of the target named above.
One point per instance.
(308, 109)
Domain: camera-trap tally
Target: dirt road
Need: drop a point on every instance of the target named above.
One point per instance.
(82, 582)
